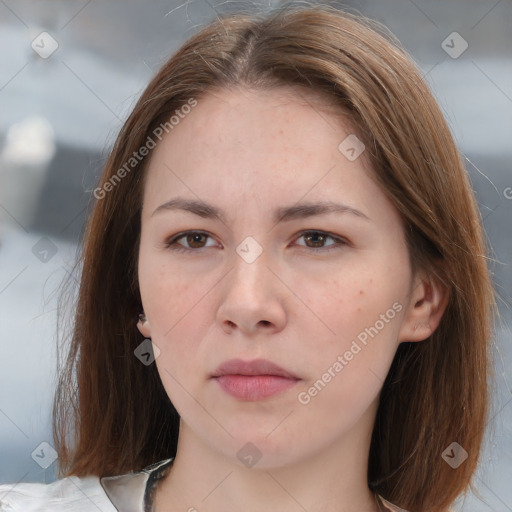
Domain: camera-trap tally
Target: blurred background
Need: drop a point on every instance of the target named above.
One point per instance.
(70, 71)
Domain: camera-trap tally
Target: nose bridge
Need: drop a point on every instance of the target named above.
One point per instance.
(251, 296)
(250, 265)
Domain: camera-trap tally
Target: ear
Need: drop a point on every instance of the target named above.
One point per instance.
(144, 327)
(428, 301)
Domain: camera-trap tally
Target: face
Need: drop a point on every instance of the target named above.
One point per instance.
(324, 296)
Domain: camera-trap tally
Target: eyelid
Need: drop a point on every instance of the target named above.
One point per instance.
(174, 238)
(340, 241)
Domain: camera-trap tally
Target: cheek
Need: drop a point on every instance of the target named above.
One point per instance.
(348, 366)
(353, 316)
(180, 313)
(170, 295)
(343, 306)
(179, 310)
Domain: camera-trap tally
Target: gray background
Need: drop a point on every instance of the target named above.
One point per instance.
(60, 115)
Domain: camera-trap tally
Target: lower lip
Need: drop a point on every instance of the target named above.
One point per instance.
(254, 387)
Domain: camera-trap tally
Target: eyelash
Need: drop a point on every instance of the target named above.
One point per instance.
(169, 243)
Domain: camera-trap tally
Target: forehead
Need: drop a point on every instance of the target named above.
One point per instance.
(260, 125)
(283, 110)
(244, 146)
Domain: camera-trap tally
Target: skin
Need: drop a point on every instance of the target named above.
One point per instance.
(301, 309)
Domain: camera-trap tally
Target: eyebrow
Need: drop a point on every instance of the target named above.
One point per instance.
(282, 214)
(286, 213)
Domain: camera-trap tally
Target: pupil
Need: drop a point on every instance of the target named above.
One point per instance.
(195, 236)
(316, 235)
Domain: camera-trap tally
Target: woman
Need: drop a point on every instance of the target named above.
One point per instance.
(284, 300)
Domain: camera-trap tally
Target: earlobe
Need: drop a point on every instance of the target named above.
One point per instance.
(426, 307)
(143, 326)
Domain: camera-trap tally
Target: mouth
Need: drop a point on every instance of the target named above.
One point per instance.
(253, 380)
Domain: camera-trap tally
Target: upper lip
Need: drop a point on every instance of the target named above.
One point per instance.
(254, 367)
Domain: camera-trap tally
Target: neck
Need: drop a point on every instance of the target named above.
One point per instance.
(335, 480)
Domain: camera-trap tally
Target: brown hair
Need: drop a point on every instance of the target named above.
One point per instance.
(436, 391)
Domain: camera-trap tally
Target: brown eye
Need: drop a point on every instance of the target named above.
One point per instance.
(318, 239)
(315, 240)
(194, 240)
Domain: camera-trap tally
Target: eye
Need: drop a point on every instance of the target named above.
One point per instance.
(196, 240)
(193, 238)
(319, 237)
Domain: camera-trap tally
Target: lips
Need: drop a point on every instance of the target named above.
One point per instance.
(254, 367)
(253, 380)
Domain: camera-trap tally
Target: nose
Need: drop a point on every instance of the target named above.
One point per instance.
(252, 299)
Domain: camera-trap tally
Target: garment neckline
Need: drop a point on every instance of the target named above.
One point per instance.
(154, 477)
(135, 492)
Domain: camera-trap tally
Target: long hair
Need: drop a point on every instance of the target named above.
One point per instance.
(112, 414)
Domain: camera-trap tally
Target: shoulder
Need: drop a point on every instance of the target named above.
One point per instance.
(128, 492)
(72, 494)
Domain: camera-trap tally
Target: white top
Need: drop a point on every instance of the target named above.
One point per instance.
(127, 493)
(131, 492)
